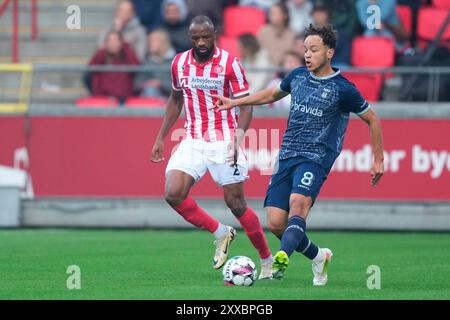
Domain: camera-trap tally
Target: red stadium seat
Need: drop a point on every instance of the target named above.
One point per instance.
(405, 15)
(442, 4)
(229, 44)
(97, 102)
(145, 102)
(373, 52)
(239, 20)
(369, 84)
(430, 21)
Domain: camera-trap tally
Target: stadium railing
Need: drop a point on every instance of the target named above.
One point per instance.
(50, 80)
(23, 91)
(15, 24)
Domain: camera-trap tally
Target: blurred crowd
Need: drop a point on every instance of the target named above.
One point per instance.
(152, 32)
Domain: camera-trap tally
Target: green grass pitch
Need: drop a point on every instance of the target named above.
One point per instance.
(150, 264)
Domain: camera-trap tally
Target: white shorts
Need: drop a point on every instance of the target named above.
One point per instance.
(195, 156)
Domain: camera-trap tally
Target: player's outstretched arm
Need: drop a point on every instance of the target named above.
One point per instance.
(376, 136)
(262, 97)
(173, 110)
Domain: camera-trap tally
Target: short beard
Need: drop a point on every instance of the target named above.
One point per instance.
(206, 54)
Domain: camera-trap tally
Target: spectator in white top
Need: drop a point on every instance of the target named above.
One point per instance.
(128, 25)
(276, 36)
(291, 60)
(262, 4)
(157, 83)
(300, 14)
(299, 45)
(253, 57)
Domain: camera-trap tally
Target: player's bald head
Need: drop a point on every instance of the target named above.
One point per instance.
(202, 21)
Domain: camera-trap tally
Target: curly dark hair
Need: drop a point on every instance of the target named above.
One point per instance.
(327, 33)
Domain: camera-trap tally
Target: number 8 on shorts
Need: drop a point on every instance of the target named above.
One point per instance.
(308, 178)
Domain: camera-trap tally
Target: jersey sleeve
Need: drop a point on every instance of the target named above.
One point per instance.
(238, 81)
(352, 101)
(174, 71)
(285, 84)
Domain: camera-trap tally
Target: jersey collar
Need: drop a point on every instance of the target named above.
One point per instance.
(336, 72)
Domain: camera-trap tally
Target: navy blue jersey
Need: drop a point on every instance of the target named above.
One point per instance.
(319, 113)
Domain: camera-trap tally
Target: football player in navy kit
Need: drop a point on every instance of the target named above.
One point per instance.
(321, 102)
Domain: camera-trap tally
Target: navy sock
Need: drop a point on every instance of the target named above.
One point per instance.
(293, 235)
(307, 248)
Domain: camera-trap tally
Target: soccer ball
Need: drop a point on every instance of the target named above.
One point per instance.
(239, 271)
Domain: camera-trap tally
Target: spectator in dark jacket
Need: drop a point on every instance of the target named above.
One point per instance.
(149, 13)
(174, 13)
(213, 9)
(114, 84)
(344, 16)
(322, 17)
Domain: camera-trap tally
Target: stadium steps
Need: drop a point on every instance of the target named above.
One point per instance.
(46, 94)
(56, 44)
(49, 49)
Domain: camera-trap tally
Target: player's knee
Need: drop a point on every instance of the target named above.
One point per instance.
(174, 198)
(276, 228)
(300, 206)
(237, 205)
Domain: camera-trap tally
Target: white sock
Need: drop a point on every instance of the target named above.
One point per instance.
(221, 231)
(319, 257)
(267, 260)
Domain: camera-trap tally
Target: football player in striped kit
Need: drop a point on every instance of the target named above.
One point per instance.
(211, 140)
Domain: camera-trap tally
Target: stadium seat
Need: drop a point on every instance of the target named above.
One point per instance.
(372, 52)
(229, 44)
(145, 102)
(430, 21)
(445, 4)
(405, 14)
(369, 84)
(239, 20)
(97, 102)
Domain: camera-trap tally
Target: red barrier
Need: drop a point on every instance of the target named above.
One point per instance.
(109, 156)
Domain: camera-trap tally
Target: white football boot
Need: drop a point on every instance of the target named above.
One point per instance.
(266, 270)
(222, 248)
(319, 267)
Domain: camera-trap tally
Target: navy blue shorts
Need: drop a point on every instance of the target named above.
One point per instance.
(294, 175)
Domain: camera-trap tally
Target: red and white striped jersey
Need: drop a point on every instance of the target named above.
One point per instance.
(222, 75)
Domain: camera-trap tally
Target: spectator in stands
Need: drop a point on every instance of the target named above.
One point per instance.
(160, 54)
(126, 22)
(390, 22)
(299, 46)
(299, 14)
(291, 60)
(174, 13)
(114, 84)
(252, 56)
(213, 9)
(321, 18)
(344, 15)
(415, 6)
(149, 13)
(262, 4)
(276, 36)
